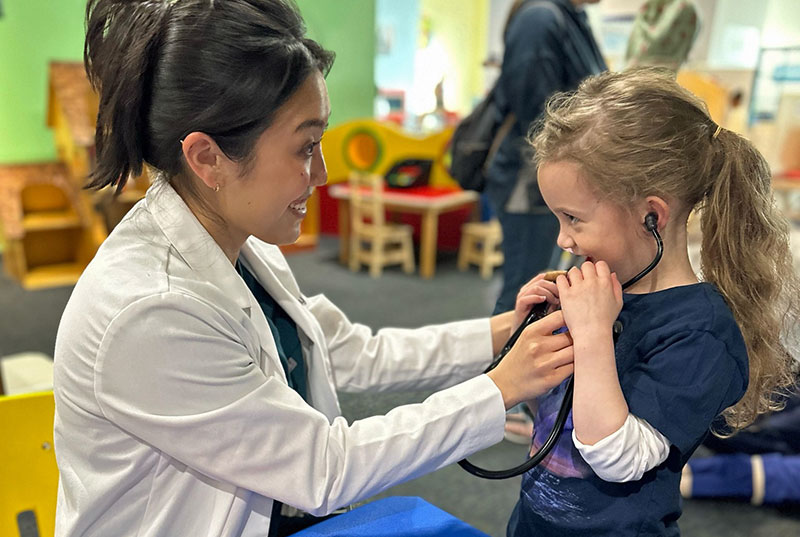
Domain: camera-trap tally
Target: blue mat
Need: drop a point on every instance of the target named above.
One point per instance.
(395, 516)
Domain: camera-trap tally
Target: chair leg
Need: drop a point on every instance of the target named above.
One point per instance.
(463, 252)
(355, 253)
(408, 257)
(376, 258)
(488, 258)
(487, 267)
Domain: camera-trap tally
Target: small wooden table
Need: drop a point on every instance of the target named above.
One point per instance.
(430, 205)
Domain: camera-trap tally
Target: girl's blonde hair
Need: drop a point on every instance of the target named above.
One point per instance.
(637, 133)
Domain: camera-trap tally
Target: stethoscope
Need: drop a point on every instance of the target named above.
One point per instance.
(536, 313)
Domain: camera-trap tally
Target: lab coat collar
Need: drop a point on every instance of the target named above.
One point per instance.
(200, 251)
(193, 243)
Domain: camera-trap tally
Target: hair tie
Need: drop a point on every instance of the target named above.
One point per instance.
(716, 132)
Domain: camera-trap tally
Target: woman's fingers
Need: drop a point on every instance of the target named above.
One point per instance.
(546, 325)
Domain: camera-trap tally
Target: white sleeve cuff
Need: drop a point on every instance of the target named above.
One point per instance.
(626, 454)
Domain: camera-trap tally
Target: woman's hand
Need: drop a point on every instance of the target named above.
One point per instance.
(536, 291)
(591, 299)
(537, 362)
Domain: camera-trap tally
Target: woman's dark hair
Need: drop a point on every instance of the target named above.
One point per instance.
(166, 68)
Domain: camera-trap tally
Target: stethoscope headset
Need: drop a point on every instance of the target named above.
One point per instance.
(537, 312)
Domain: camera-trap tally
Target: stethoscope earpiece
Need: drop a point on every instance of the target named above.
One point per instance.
(651, 222)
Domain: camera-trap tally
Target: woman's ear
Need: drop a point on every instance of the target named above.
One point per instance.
(204, 157)
(658, 206)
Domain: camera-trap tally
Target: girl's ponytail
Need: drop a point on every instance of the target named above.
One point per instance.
(122, 38)
(745, 253)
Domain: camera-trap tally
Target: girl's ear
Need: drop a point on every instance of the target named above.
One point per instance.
(204, 157)
(657, 205)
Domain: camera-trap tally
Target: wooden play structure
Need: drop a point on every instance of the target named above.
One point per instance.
(52, 226)
(407, 162)
(50, 229)
(368, 145)
(714, 94)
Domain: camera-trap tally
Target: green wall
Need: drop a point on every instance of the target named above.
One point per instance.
(34, 32)
(346, 27)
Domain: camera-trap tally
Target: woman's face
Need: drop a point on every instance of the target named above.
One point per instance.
(269, 201)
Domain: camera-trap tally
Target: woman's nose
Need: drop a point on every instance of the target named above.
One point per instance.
(319, 173)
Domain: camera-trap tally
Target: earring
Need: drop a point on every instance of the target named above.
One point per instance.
(216, 187)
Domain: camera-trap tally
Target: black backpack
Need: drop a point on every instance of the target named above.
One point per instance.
(475, 141)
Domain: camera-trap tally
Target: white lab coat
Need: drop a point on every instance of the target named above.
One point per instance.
(173, 413)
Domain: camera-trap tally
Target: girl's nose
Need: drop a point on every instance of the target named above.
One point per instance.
(564, 241)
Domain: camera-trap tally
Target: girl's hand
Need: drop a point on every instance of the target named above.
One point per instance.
(536, 291)
(591, 299)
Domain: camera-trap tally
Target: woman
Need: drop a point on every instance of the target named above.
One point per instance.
(195, 384)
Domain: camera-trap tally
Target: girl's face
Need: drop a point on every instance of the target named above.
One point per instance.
(269, 201)
(590, 227)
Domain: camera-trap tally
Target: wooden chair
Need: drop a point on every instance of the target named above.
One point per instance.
(30, 475)
(387, 243)
(480, 244)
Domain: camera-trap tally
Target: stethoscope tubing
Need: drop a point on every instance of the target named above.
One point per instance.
(534, 315)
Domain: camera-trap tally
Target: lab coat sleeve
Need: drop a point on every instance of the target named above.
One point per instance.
(176, 373)
(430, 357)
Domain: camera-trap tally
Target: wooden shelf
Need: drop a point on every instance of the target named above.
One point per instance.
(49, 220)
(52, 275)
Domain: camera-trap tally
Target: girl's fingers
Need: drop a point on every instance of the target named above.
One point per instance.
(574, 275)
(588, 271)
(617, 287)
(603, 271)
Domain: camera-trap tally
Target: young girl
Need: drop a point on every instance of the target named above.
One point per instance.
(627, 148)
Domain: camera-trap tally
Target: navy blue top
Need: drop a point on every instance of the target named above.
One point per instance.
(284, 330)
(549, 47)
(681, 361)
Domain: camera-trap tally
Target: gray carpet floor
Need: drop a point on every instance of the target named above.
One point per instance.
(28, 322)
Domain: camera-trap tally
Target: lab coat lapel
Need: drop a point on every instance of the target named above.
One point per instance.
(193, 243)
(280, 284)
(270, 267)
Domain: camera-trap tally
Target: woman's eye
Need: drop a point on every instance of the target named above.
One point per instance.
(308, 150)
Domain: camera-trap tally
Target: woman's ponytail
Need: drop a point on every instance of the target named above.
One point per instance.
(122, 40)
(166, 68)
(746, 254)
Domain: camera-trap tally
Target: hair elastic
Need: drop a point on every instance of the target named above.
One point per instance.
(716, 132)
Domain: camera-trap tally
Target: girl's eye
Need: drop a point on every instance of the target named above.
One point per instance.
(572, 219)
